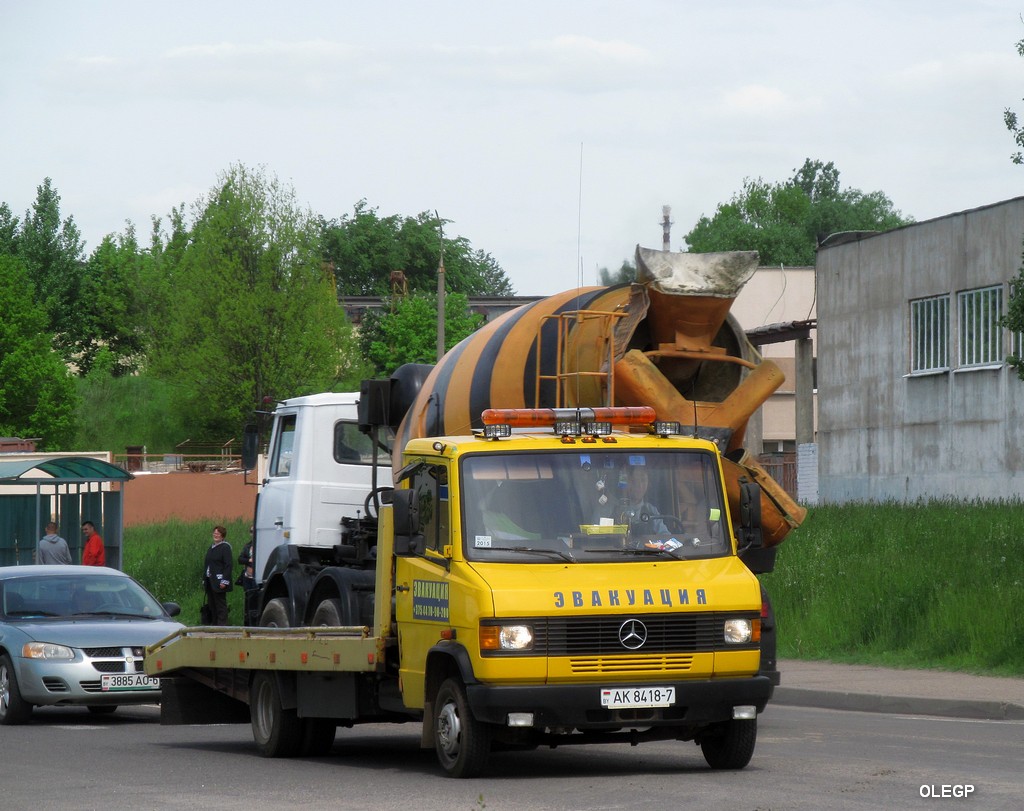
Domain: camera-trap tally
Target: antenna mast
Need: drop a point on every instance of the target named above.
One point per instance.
(440, 289)
(666, 228)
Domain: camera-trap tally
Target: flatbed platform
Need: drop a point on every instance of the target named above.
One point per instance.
(324, 649)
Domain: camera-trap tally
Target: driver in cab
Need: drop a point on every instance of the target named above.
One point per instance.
(642, 516)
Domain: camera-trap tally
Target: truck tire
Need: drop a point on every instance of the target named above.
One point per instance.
(463, 744)
(328, 613)
(13, 708)
(730, 745)
(277, 732)
(275, 614)
(317, 736)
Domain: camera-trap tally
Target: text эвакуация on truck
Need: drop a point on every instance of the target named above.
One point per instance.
(567, 554)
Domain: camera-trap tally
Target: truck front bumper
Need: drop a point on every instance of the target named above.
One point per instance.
(579, 706)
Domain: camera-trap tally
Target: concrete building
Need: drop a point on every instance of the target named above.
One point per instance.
(769, 305)
(916, 399)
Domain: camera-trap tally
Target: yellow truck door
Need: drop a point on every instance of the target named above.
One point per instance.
(422, 582)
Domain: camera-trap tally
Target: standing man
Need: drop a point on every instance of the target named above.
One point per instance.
(52, 548)
(93, 554)
(217, 576)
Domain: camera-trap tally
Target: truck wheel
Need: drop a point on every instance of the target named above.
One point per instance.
(462, 743)
(730, 745)
(13, 708)
(277, 731)
(328, 613)
(275, 614)
(317, 736)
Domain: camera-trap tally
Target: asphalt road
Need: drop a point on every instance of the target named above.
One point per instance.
(806, 759)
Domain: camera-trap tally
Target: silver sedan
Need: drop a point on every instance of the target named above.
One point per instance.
(76, 635)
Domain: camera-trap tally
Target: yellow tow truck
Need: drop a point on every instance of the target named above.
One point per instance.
(557, 576)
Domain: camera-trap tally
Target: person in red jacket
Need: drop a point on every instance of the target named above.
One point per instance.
(93, 554)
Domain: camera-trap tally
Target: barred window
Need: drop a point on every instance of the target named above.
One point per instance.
(981, 337)
(929, 333)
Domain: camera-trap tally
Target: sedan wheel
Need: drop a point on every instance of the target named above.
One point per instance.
(13, 708)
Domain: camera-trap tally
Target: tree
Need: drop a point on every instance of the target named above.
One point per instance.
(364, 248)
(253, 311)
(1014, 318)
(408, 334)
(626, 273)
(785, 222)
(108, 317)
(1012, 124)
(8, 231)
(37, 394)
(52, 252)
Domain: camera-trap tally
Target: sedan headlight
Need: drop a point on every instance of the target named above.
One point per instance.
(46, 650)
(738, 631)
(506, 637)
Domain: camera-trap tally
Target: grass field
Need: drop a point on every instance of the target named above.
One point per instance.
(168, 559)
(937, 585)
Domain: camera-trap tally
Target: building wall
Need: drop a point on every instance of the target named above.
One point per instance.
(185, 496)
(883, 433)
(777, 295)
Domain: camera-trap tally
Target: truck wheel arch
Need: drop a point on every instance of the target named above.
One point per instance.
(445, 660)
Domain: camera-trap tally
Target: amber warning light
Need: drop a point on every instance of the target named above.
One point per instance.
(566, 421)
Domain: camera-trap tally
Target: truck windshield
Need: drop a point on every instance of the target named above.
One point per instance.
(595, 506)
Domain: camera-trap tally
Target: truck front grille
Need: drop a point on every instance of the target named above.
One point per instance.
(589, 641)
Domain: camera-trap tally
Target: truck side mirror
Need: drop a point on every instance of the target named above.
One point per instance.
(750, 515)
(250, 446)
(406, 513)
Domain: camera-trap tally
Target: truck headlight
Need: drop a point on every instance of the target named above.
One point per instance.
(46, 650)
(506, 637)
(738, 631)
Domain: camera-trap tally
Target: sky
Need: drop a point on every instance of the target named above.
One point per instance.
(549, 134)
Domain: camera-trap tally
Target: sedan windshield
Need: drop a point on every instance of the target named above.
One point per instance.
(595, 506)
(75, 596)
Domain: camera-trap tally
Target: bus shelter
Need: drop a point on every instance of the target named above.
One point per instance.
(67, 490)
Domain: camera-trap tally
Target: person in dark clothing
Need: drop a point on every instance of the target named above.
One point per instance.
(247, 577)
(217, 576)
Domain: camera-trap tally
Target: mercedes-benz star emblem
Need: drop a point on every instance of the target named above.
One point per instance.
(632, 634)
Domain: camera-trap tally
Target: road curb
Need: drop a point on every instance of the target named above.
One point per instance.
(900, 705)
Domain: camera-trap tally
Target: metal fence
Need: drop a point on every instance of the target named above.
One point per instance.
(782, 468)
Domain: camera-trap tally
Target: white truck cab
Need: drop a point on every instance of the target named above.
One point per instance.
(319, 470)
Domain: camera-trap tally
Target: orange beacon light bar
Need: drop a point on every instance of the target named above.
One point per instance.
(549, 417)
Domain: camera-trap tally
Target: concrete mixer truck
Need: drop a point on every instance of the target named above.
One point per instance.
(548, 538)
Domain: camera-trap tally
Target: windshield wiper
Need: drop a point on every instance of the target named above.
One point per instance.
(109, 614)
(639, 552)
(564, 554)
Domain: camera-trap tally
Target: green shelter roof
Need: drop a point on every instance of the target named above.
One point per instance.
(63, 468)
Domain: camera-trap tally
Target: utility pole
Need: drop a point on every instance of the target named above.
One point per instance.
(666, 228)
(440, 290)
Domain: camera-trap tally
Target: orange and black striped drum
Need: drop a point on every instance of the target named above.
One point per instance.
(507, 361)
